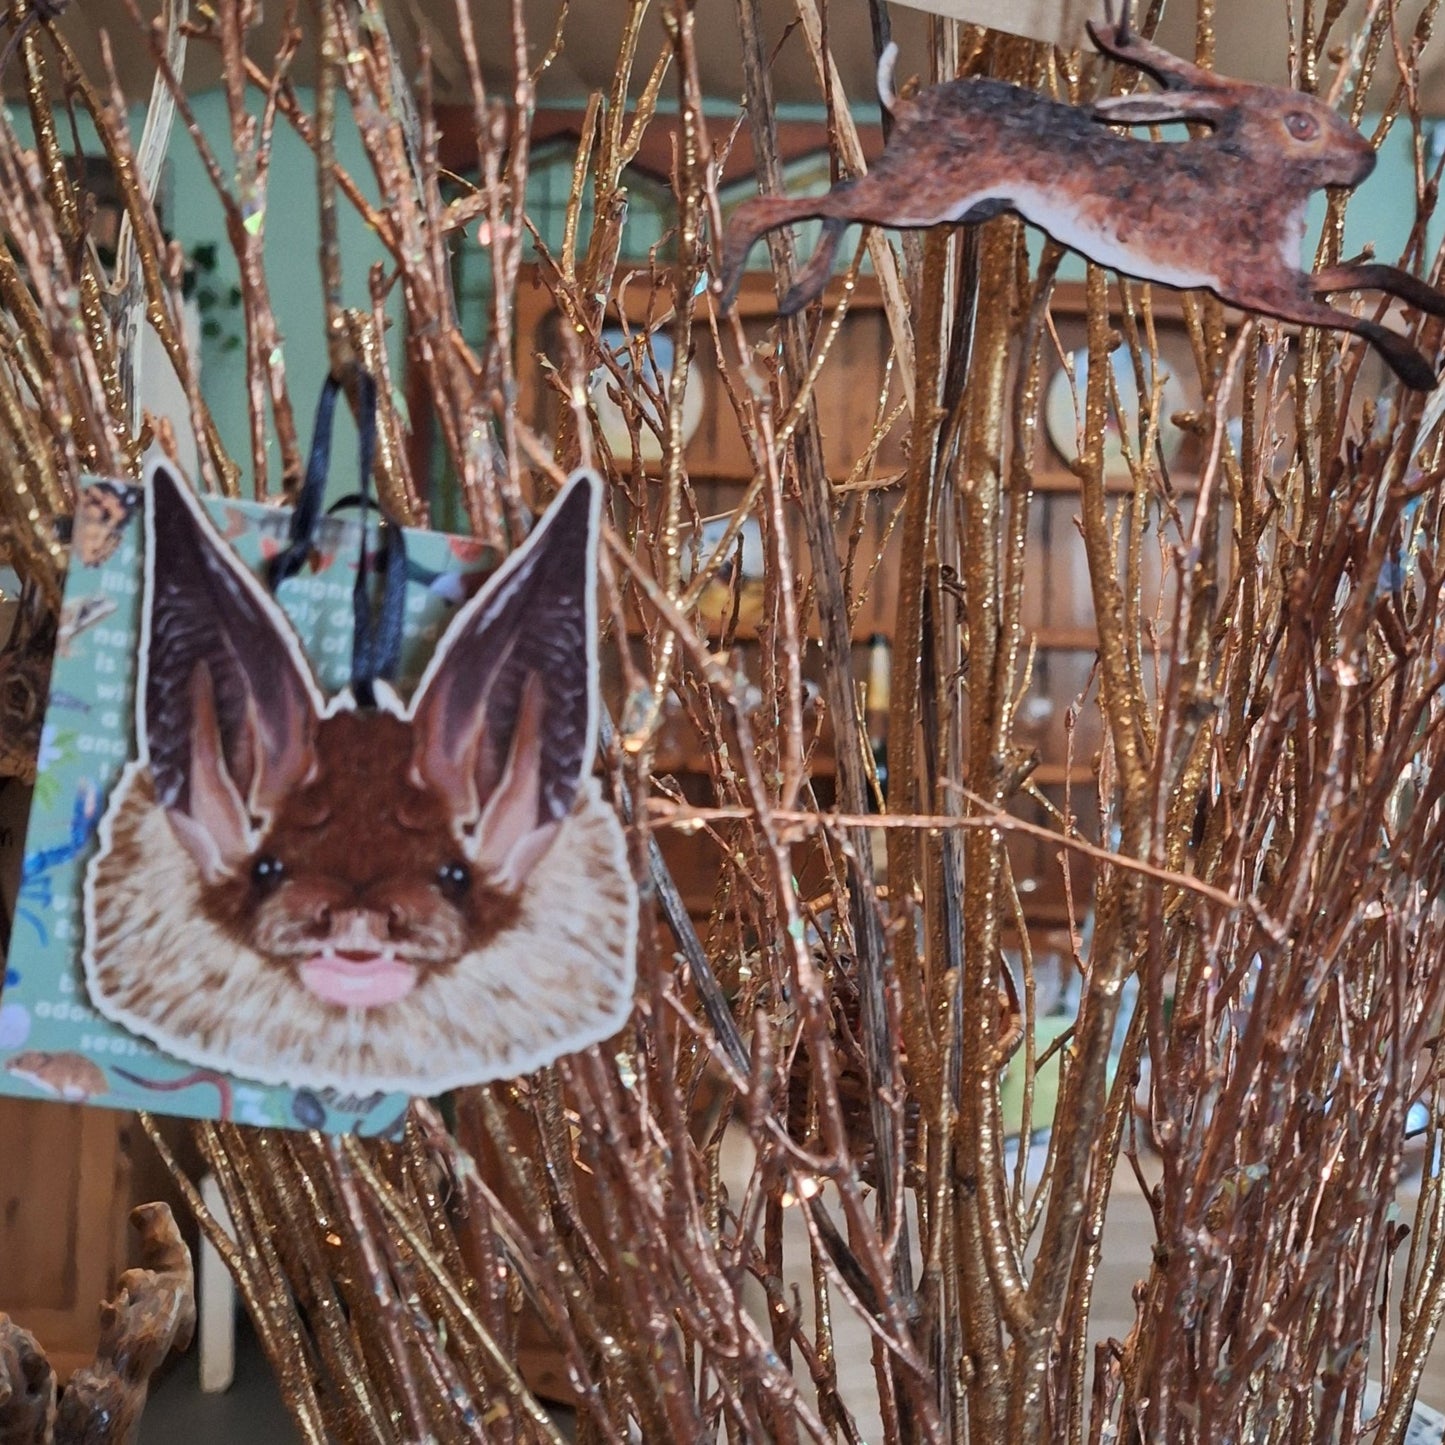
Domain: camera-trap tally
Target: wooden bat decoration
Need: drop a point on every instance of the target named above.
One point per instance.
(153, 1313)
(411, 897)
(1224, 211)
(28, 1392)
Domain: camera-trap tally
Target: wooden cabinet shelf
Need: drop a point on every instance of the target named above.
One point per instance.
(1054, 775)
(65, 1192)
(1058, 613)
(1063, 639)
(69, 1177)
(1053, 481)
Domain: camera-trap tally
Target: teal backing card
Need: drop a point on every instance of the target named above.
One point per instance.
(52, 1043)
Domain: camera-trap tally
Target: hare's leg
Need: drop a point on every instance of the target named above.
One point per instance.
(754, 218)
(811, 280)
(1409, 364)
(1297, 305)
(1390, 279)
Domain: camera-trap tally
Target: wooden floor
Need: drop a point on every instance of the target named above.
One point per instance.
(251, 1414)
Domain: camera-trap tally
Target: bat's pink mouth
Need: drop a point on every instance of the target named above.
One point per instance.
(353, 979)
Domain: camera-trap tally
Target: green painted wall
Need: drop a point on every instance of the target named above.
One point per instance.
(292, 268)
(195, 218)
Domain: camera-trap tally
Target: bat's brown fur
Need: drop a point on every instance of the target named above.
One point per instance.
(362, 833)
(161, 961)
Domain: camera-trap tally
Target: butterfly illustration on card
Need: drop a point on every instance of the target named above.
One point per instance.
(413, 896)
(101, 516)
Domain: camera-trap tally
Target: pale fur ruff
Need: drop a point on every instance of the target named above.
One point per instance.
(560, 979)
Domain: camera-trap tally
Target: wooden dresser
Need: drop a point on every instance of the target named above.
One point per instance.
(66, 1189)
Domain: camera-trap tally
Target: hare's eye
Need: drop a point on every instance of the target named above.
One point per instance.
(1301, 126)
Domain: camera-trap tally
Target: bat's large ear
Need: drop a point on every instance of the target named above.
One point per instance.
(506, 714)
(227, 708)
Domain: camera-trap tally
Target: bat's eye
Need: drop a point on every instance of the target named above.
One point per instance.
(1301, 125)
(266, 874)
(454, 879)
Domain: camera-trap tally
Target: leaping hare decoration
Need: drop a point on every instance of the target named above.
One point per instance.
(1224, 211)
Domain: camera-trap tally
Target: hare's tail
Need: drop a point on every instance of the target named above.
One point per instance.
(886, 63)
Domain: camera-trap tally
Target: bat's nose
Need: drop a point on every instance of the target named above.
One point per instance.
(363, 918)
(361, 923)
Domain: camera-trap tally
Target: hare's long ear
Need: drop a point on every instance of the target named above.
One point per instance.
(227, 708)
(1120, 42)
(506, 716)
(1163, 108)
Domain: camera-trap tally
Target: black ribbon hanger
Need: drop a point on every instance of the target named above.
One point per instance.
(376, 630)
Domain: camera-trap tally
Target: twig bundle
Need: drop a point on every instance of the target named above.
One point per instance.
(1261, 905)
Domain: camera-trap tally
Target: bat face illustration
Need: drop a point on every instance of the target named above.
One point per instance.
(306, 893)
